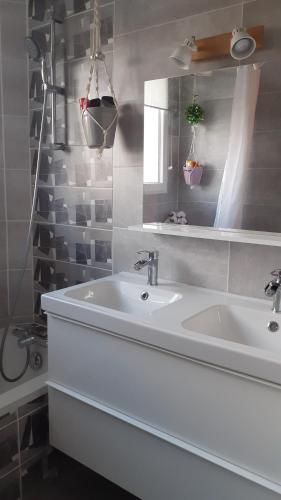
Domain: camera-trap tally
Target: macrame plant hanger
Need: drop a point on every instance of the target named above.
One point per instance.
(194, 127)
(192, 170)
(98, 58)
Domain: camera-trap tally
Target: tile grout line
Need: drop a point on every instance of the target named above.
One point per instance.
(4, 177)
(30, 246)
(153, 26)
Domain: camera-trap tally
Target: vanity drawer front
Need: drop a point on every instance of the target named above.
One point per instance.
(138, 460)
(233, 417)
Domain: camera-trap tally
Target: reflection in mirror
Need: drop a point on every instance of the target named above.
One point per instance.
(212, 149)
(156, 116)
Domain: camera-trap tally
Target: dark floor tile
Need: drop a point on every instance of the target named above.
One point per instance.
(69, 480)
(10, 486)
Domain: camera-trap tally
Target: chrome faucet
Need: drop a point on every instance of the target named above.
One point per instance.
(31, 333)
(273, 289)
(152, 265)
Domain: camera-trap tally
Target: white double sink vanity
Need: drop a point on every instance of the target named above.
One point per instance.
(171, 391)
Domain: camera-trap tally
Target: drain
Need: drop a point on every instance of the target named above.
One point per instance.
(144, 295)
(36, 361)
(273, 326)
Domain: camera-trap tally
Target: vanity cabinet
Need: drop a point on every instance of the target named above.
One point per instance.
(159, 424)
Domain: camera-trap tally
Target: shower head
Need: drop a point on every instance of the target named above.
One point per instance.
(32, 48)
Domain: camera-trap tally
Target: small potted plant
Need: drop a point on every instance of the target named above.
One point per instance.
(194, 113)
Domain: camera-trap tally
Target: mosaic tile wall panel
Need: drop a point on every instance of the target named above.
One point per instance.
(73, 221)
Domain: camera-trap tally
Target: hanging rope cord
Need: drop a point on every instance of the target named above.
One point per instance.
(192, 151)
(98, 57)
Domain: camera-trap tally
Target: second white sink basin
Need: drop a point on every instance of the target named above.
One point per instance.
(237, 324)
(125, 296)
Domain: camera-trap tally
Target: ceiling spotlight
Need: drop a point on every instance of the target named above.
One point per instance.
(182, 56)
(242, 44)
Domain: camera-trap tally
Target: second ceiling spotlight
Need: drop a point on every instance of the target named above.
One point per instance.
(242, 44)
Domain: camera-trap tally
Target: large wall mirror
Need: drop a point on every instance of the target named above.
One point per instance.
(212, 149)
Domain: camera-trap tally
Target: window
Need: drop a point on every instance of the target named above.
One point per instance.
(155, 149)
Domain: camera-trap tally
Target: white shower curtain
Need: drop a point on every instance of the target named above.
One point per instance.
(230, 202)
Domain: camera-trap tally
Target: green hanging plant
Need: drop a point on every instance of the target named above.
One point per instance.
(194, 114)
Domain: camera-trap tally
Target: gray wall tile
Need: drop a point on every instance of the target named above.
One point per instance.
(127, 196)
(13, 29)
(23, 294)
(250, 267)
(18, 195)
(128, 145)
(153, 212)
(1, 142)
(16, 142)
(3, 246)
(262, 187)
(210, 85)
(75, 134)
(271, 77)
(17, 237)
(3, 294)
(200, 213)
(15, 88)
(133, 15)
(260, 217)
(268, 112)
(266, 149)
(2, 196)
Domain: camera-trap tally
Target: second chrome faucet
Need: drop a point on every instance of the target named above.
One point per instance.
(151, 262)
(273, 289)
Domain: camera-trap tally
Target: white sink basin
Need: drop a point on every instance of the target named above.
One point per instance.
(124, 296)
(237, 324)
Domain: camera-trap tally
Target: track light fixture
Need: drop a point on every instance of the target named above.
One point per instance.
(182, 55)
(242, 44)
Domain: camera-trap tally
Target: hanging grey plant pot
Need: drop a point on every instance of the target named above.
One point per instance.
(95, 121)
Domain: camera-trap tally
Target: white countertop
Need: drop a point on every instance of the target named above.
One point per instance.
(163, 328)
